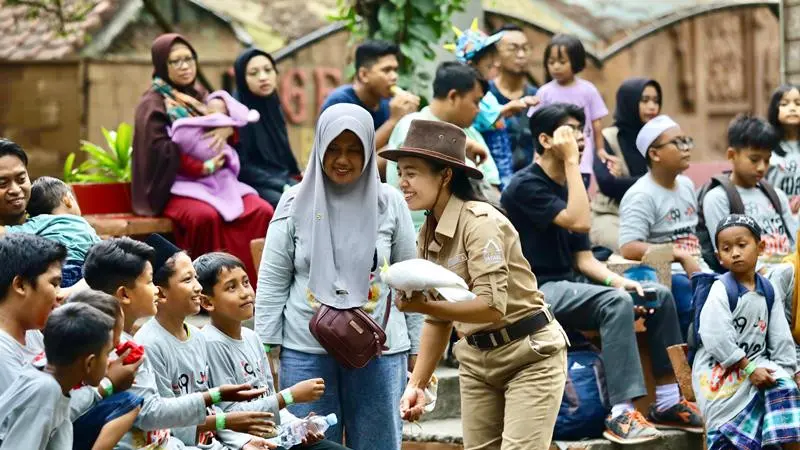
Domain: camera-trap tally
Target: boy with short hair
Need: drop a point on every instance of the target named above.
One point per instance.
(34, 410)
(55, 214)
(30, 276)
(750, 143)
(742, 372)
(661, 208)
(123, 267)
(235, 353)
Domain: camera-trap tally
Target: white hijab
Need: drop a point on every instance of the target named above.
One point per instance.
(342, 221)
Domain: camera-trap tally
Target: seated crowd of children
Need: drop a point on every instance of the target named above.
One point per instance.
(114, 364)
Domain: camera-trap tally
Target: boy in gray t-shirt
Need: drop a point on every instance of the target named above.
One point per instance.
(34, 410)
(661, 208)
(235, 353)
(750, 143)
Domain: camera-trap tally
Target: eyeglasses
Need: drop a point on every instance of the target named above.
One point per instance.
(178, 63)
(516, 48)
(682, 143)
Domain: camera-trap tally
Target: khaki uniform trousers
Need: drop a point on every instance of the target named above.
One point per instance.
(510, 395)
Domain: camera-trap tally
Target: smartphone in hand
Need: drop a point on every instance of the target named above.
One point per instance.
(649, 300)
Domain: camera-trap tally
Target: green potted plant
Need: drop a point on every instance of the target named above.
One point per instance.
(102, 183)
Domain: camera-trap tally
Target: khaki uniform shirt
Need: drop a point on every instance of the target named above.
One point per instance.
(477, 242)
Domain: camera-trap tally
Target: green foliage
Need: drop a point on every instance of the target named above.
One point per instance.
(103, 165)
(416, 26)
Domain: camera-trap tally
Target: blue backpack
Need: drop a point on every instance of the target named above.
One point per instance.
(701, 285)
(584, 406)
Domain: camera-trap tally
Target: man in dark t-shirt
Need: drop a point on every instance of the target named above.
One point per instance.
(549, 207)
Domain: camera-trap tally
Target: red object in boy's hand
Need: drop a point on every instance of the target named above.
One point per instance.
(136, 351)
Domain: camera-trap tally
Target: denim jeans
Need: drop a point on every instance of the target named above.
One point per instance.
(71, 273)
(365, 400)
(682, 292)
(86, 428)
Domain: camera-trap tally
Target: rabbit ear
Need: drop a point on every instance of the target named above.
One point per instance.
(253, 116)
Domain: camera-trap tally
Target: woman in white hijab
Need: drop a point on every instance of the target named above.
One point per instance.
(322, 245)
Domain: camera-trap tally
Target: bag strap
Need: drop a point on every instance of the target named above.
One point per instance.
(772, 195)
(734, 199)
(732, 289)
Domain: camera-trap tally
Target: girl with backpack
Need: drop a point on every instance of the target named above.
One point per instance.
(742, 371)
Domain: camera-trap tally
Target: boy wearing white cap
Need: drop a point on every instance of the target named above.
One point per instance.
(661, 207)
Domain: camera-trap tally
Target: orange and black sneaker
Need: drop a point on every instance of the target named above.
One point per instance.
(682, 416)
(630, 428)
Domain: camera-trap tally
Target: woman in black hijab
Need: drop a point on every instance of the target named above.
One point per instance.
(638, 101)
(267, 161)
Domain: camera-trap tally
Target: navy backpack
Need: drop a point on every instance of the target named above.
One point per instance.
(701, 285)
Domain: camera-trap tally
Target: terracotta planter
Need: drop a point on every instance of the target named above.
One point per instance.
(103, 198)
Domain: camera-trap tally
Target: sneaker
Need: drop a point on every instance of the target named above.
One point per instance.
(630, 428)
(682, 416)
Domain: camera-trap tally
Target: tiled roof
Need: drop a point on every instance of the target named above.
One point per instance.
(23, 38)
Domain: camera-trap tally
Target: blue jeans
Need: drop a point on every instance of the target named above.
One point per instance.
(365, 400)
(86, 428)
(682, 292)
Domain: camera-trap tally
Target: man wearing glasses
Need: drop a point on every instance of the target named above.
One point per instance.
(661, 207)
(511, 86)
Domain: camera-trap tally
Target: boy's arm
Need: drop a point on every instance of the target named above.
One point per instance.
(222, 371)
(29, 430)
(715, 208)
(716, 326)
(635, 220)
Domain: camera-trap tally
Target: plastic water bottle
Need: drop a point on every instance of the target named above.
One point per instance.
(294, 432)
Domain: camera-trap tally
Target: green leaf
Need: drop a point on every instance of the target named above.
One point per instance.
(389, 20)
(97, 153)
(422, 31)
(425, 7)
(70, 161)
(123, 143)
(111, 138)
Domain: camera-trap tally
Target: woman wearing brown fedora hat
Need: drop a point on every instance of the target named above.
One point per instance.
(513, 356)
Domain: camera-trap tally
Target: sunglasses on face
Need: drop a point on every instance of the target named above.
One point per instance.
(684, 143)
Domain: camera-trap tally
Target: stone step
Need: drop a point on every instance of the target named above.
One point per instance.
(448, 434)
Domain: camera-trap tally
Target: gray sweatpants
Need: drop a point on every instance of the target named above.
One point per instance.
(584, 306)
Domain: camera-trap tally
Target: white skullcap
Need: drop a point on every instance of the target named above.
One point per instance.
(652, 130)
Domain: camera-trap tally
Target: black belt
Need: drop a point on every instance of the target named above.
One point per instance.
(497, 338)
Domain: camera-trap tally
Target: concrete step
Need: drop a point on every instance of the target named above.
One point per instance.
(448, 432)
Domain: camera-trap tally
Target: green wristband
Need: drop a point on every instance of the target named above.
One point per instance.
(750, 368)
(216, 395)
(220, 418)
(107, 386)
(267, 348)
(287, 397)
(608, 280)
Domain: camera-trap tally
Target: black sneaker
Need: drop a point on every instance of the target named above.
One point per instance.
(682, 416)
(630, 428)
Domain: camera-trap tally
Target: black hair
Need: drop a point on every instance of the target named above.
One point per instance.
(11, 148)
(116, 262)
(210, 265)
(463, 187)
(105, 303)
(773, 109)
(574, 49)
(73, 331)
(27, 256)
(548, 118)
(754, 132)
(162, 274)
(455, 75)
(368, 53)
(508, 27)
(46, 195)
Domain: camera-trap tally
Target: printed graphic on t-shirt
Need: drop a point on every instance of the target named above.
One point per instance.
(199, 380)
(773, 232)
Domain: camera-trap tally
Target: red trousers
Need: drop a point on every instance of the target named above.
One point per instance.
(199, 229)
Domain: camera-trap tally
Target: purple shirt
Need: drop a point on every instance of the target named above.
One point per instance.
(583, 94)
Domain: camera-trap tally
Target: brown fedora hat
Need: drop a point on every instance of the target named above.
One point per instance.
(437, 141)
